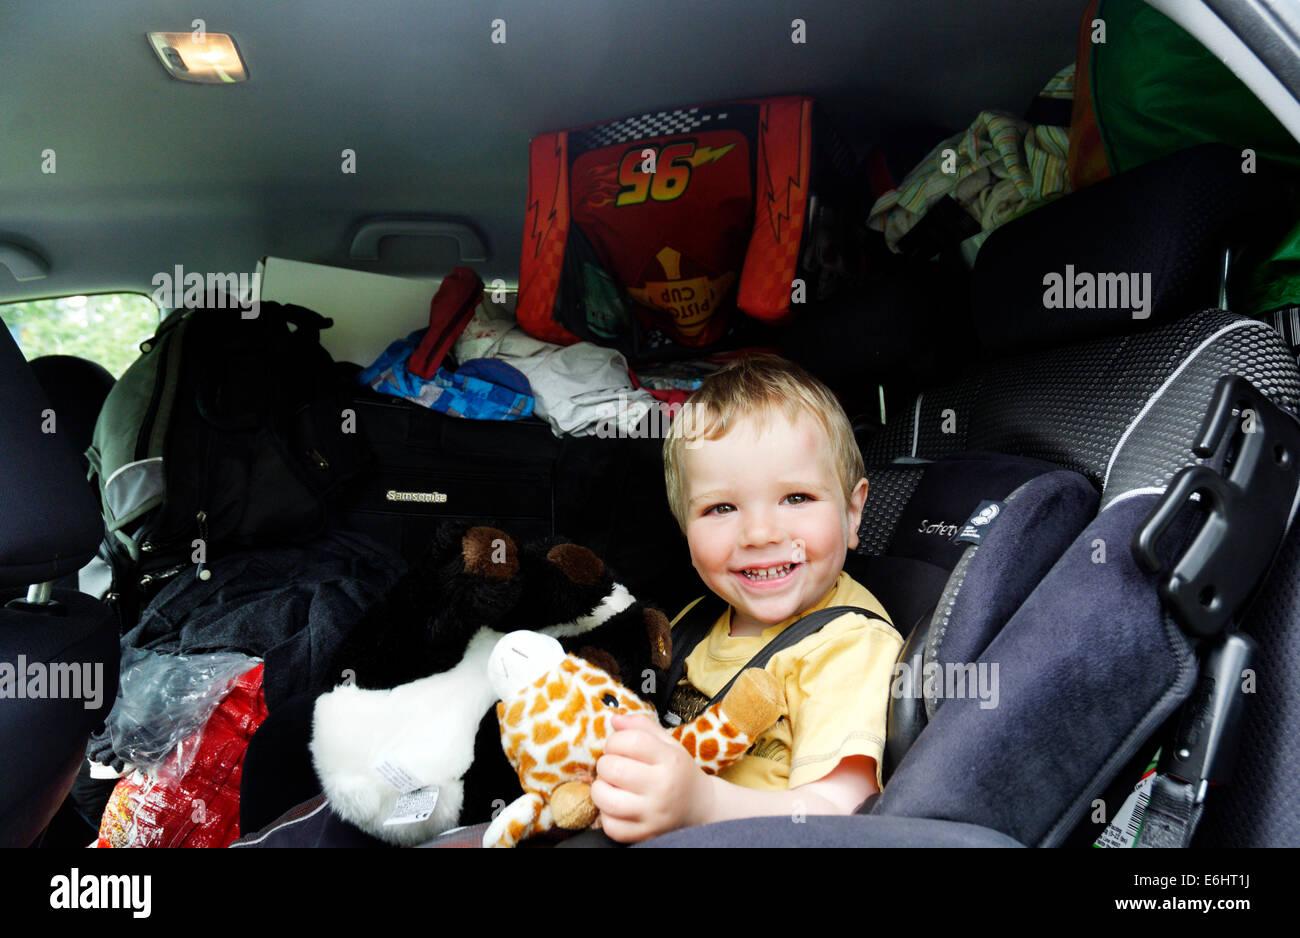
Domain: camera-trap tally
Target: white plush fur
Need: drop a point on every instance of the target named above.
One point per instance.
(618, 599)
(427, 726)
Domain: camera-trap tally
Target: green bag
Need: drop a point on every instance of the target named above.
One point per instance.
(1152, 89)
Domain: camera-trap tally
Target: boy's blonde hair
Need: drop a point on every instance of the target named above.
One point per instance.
(757, 386)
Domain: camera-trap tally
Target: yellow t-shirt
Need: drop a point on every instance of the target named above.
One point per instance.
(836, 685)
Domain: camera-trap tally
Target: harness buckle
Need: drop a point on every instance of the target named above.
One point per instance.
(1248, 509)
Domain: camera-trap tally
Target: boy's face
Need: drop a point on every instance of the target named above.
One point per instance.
(767, 522)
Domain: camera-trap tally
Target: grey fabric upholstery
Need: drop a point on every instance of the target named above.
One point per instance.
(821, 831)
(1086, 670)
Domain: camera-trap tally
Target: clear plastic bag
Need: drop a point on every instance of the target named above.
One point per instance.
(163, 699)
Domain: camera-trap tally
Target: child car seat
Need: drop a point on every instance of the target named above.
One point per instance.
(1096, 661)
(916, 524)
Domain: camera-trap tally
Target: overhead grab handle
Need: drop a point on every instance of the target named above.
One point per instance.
(22, 263)
(365, 244)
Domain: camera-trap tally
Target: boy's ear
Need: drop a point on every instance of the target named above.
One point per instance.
(857, 501)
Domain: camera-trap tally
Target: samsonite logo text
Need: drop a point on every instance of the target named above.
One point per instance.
(1084, 290)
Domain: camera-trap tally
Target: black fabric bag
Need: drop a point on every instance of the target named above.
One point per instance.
(429, 468)
(606, 494)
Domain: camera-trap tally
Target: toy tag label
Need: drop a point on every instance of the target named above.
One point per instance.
(413, 807)
(396, 774)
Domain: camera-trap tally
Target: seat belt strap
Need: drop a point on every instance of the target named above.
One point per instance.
(1203, 748)
(691, 629)
(1171, 815)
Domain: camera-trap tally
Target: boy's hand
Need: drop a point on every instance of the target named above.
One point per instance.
(646, 784)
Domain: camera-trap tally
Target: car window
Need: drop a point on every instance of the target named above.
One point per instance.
(106, 328)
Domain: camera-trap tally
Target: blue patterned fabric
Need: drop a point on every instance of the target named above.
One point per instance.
(461, 395)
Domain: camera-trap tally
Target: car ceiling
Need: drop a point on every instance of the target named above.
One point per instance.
(154, 172)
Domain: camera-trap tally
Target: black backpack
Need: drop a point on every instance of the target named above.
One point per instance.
(228, 432)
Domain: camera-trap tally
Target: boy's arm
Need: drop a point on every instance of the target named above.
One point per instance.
(647, 785)
(840, 791)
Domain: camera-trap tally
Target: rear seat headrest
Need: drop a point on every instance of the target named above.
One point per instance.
(76, 388)
(1157, 231)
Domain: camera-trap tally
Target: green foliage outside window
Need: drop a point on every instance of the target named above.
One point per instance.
(106, 328)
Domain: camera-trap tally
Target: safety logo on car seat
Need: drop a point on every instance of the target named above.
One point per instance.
(978, 524)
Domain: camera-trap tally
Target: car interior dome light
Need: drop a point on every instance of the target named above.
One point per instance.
(199, 56)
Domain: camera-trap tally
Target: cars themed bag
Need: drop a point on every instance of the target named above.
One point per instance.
(646, 233)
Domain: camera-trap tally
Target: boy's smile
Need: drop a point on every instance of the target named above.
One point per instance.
(768, 526)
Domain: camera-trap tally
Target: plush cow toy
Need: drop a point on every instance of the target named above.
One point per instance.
(555, 714)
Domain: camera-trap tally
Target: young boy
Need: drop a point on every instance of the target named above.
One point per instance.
(766, 480)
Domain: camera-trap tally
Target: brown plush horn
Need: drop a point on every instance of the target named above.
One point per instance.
(599, 658)
(577, 563)
(490, 553)
(661, 638)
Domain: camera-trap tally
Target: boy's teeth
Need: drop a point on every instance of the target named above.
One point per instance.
(769, 573)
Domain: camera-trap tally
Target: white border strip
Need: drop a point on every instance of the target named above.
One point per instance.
(1240, 323)
(1132, 493)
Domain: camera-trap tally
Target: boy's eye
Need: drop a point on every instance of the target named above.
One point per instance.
(720, 509)
(798, 498)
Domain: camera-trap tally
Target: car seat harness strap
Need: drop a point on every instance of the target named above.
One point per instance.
(698, 621)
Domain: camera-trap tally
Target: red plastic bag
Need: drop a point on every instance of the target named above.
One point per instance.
(200, 807)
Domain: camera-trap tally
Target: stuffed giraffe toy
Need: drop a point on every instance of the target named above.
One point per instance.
(555, 714)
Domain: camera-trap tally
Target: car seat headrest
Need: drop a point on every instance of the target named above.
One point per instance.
(1140, 248)
(947, 495)
(76, 388)
(912, 513)
(49, 522)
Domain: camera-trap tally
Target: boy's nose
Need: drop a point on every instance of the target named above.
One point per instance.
(760, 530)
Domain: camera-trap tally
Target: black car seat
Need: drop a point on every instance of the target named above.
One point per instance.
(912, 545)
(1097, 658)
(50, 526)
(76, 389)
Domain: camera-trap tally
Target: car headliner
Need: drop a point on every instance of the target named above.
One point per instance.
(154, 172)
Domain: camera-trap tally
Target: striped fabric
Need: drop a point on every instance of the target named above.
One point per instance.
(1001, 167)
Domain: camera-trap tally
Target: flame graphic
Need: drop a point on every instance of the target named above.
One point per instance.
(599, 185)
